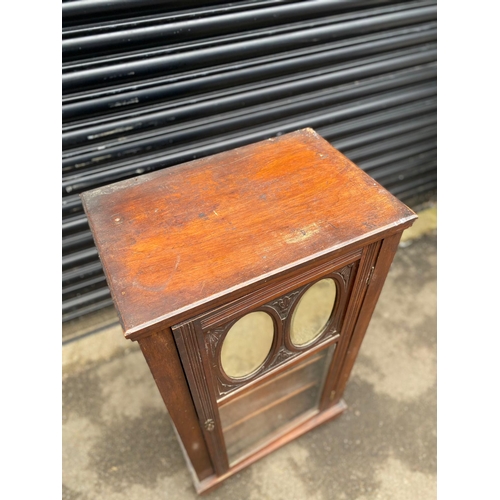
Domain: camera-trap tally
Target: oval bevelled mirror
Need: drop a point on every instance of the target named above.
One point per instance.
(247, 344)
(313, 312)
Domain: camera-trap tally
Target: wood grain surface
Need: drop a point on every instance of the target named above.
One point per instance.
(185, 236)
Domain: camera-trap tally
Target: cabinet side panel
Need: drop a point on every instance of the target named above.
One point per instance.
(162, 357)
(385, 257)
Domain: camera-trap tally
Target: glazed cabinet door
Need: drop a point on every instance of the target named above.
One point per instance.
(267, 362)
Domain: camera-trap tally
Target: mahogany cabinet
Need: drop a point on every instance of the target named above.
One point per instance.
(248, 279)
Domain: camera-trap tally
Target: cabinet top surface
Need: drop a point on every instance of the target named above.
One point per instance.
(183, 236)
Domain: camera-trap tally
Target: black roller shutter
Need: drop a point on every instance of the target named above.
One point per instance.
(150, 84)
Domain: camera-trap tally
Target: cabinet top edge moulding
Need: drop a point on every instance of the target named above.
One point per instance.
(173, 241)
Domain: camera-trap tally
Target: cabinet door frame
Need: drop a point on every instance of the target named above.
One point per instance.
(198, 339)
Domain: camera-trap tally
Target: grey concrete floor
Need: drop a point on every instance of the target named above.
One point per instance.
(118, 442)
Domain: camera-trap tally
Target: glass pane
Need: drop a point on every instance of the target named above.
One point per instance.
(262, 414)
(313, 312)
(247, 344)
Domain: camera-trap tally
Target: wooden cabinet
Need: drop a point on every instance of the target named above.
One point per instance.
(248, 279)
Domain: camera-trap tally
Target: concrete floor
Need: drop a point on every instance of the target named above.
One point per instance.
(119, 444)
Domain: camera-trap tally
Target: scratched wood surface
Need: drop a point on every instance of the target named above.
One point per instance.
(189, 234)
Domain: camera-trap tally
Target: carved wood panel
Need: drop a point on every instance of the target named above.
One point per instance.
(281, 310)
